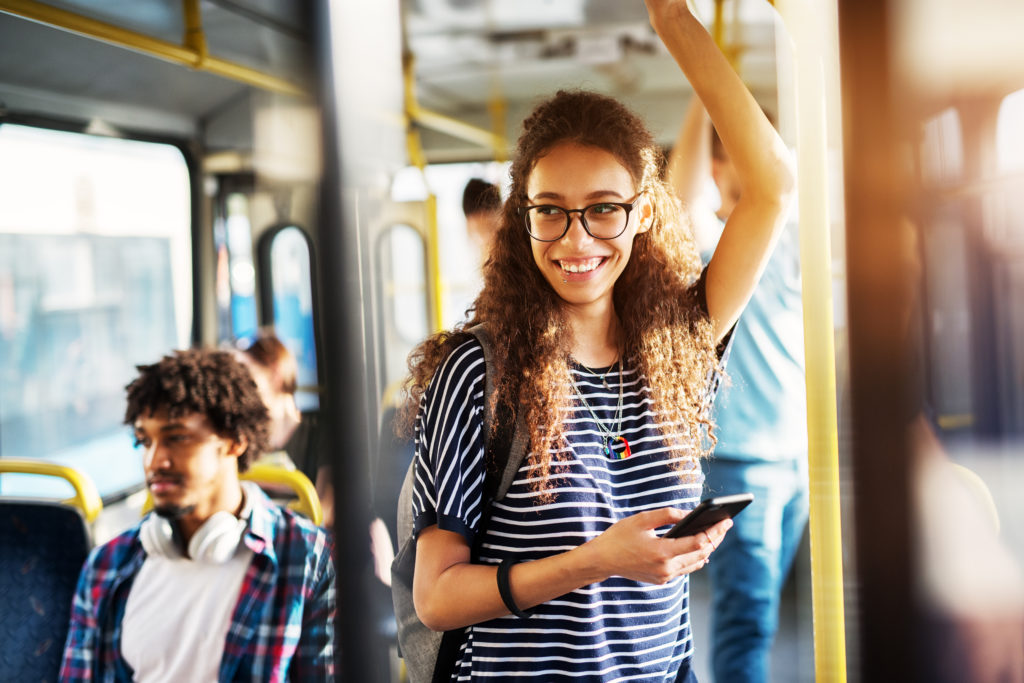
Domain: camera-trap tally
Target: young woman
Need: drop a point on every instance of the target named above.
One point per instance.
(605, 336)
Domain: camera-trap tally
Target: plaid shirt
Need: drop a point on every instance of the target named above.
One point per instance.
(282, 626)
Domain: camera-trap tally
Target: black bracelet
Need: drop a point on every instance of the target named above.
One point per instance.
(505, 591)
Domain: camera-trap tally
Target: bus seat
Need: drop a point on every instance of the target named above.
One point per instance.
(45, 543)
(86, 499)
(307, 503)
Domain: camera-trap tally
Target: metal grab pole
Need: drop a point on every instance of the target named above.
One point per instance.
(804, 24)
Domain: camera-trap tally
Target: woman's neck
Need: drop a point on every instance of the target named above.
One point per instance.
(596, 336)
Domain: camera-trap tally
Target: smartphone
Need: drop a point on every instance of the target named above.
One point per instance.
(710, 512)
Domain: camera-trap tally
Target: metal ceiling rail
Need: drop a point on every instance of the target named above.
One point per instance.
(455, 128)
(446, 124)
(161, 49)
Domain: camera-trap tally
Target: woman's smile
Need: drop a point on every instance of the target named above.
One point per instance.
(580, 268)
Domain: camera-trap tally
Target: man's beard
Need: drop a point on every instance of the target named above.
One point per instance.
(173, 512)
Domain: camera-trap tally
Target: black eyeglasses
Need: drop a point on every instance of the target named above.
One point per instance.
(603, 221)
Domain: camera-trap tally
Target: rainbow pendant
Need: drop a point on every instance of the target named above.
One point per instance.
(610, 452)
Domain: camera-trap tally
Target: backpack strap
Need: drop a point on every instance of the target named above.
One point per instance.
(503, 454)
(516, 454)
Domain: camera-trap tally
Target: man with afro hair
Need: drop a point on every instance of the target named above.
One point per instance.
(217, 582)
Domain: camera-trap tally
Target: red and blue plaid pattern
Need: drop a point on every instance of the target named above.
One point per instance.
(283, 624)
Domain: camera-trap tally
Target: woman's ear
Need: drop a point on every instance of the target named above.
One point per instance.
(645, 211)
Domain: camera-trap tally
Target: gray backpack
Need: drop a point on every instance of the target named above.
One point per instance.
(431, 655)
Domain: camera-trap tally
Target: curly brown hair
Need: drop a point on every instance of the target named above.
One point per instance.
(208, 382)
(666, 336)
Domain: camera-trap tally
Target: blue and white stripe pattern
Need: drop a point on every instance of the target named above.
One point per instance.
(617, 630)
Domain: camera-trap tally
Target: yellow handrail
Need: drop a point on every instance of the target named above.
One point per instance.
(457, 129)
(806, 24)
(86, 499)
(195, 37)
(308, 502)
(162, 49)
(415, 114)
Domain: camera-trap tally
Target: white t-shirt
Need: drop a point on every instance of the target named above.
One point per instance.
(178, 615)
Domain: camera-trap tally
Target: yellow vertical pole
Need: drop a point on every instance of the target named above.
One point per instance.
(732, 47)
(498, 109)
(718, 28)
(434, 262)
(194, 38)
(806, 25)
(418, 159)
(497, 106)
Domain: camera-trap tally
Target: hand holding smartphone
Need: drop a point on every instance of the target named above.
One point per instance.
(711, 511)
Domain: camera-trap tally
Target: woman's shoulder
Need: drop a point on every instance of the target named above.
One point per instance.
(467, 353)
(463, 366)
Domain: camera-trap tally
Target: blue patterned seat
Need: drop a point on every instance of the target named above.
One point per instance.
(42, 548)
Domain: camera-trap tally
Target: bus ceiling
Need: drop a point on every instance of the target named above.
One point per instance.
(120, 63)
(478, 67)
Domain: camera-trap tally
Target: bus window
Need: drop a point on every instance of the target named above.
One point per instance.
(291, 288)
(946, 325)
(942, 156)
(402, 268)
(1003, 215)
(95, 277)
(1010, 133)
(236, 276)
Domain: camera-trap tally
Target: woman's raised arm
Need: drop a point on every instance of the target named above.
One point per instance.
(762, 162)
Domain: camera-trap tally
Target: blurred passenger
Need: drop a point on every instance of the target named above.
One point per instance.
(760, 418)
(217, 582)
(274, 369)
(294, 437)
(481, 204)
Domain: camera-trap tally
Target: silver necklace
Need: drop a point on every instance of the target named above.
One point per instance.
(610, 436)
(604, 377)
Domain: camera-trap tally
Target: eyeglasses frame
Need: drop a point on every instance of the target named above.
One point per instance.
(628, 206)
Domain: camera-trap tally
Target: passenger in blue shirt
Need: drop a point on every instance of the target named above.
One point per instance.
(607, 334)
(760, 417)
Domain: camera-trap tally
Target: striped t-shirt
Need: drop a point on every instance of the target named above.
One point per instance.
(616, 630)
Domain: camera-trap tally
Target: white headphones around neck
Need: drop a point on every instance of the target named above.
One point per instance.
(215, 542)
